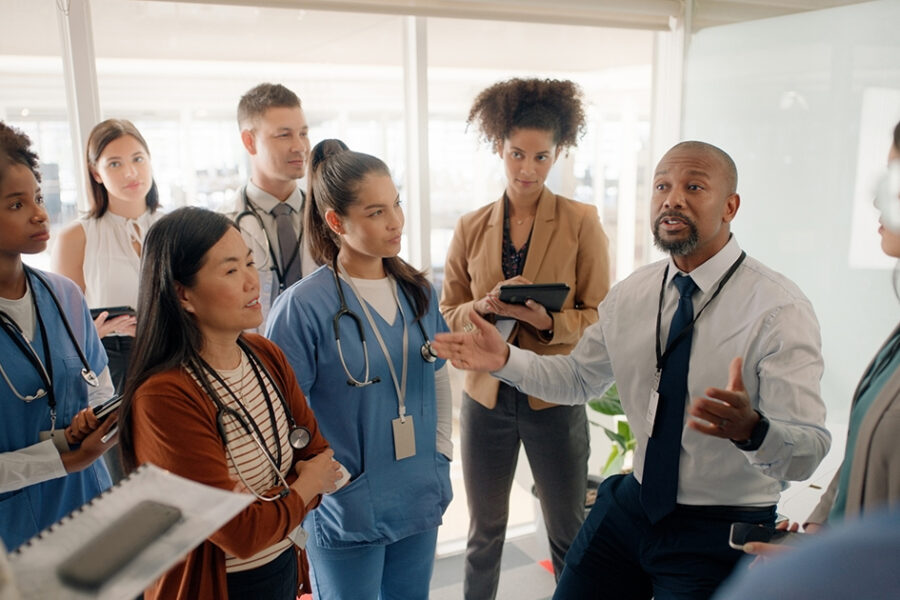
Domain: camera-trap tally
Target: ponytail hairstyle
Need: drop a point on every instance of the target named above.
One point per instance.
(167, 335)
(335, 176)
(101, 136)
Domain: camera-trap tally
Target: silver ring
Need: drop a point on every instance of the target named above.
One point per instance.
(723, 423)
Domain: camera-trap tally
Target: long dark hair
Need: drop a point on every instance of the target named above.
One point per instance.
(101, 135)
(335, 175)
(167, 336)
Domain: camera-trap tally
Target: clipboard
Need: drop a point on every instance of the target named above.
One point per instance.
(551, 296)
(181, 514)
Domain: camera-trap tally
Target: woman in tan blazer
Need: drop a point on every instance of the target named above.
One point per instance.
(529, 235)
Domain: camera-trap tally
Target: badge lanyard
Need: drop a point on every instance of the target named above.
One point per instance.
(662, 357)
(403, 426)
(398, 386)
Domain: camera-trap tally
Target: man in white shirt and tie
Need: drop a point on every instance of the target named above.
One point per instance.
(268, 209)
(716, 441)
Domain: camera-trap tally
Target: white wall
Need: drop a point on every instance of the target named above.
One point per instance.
(785, 97)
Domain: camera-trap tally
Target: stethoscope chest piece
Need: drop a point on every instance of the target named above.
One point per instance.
(90, 377)
(428, 352)
(299, 438)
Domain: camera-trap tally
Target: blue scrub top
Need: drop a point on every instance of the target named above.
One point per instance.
(25, 512)
(386, 499)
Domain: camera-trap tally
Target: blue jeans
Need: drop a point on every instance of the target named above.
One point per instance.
(275, 580)
(397, 571)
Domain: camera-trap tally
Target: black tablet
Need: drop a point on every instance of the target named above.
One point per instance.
(550, 295)
(114, 311)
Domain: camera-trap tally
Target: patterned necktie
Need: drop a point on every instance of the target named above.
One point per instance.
(659, 485)
(288, 243)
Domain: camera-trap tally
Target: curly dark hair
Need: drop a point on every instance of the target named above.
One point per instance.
(15, 148)
(544, 104)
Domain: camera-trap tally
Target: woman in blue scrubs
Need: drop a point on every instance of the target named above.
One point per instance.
(43, 394)
(356, 331)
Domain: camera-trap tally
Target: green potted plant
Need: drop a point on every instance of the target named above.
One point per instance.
(622, 438)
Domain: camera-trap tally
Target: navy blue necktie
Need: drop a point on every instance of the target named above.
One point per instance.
(659, 485)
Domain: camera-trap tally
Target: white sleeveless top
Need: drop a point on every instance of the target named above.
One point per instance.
(111, 266)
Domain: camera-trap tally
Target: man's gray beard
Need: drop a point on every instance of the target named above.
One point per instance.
(679, 247)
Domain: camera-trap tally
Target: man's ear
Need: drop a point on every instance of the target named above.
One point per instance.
(732, 204)
(248, 138)
(334, 221)
(184, 297)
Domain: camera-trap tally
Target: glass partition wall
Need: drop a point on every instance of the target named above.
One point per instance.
(177, 71)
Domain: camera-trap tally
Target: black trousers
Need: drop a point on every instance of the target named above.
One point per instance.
(620, 554)
(118, 351)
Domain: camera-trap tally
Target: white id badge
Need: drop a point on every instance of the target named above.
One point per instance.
(59, 439)
(404, 437)
(299, 537)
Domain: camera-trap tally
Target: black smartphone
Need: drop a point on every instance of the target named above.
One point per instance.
(103, 410)
(114, 311)
(104, 555)
(743, 533)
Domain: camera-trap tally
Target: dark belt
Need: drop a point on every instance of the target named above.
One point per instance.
(723, 511)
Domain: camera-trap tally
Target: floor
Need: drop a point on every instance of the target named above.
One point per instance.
(523, 577)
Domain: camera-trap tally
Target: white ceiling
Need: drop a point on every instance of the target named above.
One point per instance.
(645, 14)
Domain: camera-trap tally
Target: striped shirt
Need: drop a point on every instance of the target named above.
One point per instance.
(246, 454)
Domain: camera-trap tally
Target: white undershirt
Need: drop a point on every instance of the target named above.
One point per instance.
(379, 294)
(21, 311)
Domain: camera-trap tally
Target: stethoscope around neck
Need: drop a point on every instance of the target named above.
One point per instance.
(298, 436)
(268, 259)
(427, 352)
(44, 370)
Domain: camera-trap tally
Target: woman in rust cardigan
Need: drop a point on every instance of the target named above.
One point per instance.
(529, 235)
(221, 407)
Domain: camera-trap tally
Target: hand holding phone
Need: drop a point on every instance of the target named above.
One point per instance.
(103, 410)
(744, 533)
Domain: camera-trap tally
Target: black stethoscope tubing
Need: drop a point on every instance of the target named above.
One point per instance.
(251, 210)
(45, 368)
(428, 354)
(298, 436)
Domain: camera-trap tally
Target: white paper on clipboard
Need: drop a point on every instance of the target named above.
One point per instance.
(204, 510)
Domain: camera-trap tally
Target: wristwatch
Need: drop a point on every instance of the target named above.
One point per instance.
(756, 436)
